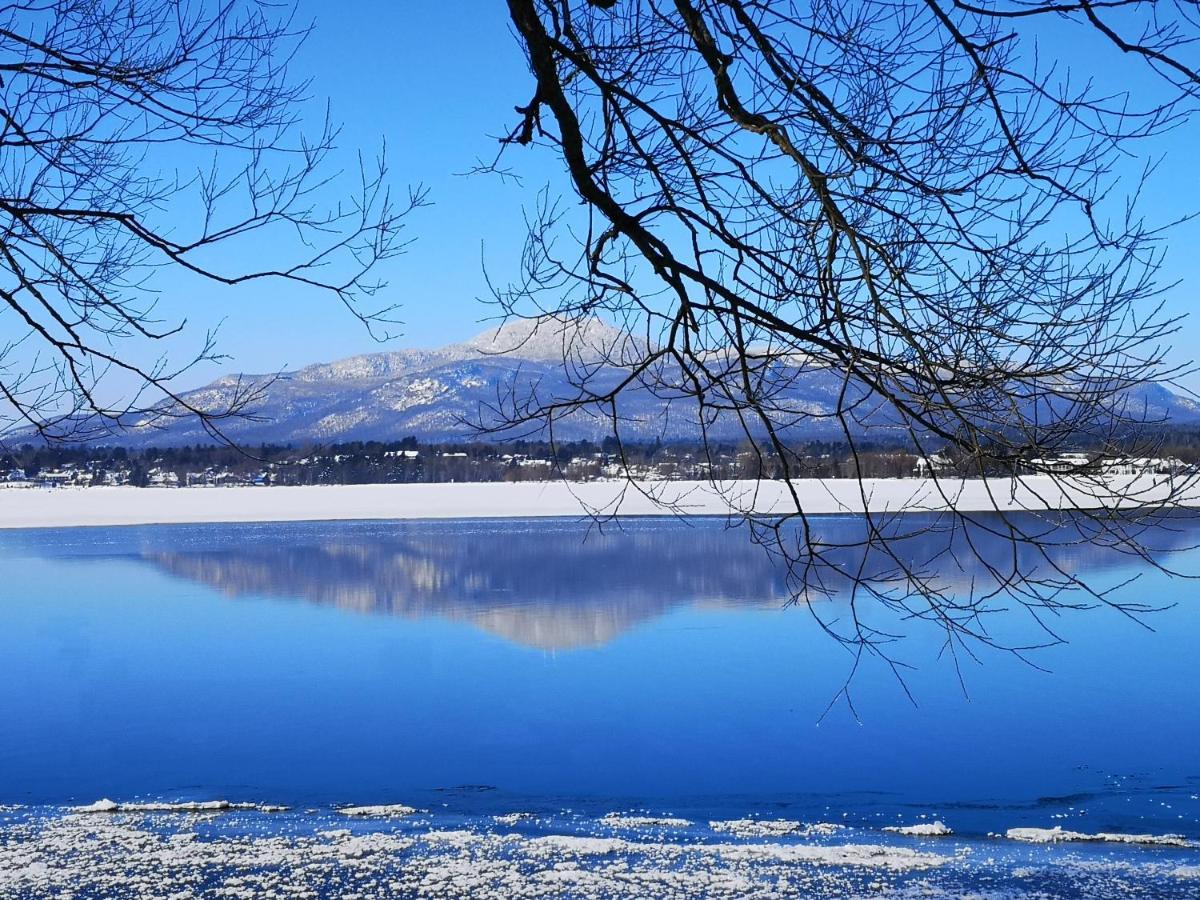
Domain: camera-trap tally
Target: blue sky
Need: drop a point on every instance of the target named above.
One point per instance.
(438, 82)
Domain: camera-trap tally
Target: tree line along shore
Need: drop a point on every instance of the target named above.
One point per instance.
(411, 461)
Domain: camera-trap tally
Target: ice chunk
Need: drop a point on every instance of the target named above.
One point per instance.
(1058, 834)
(394, 809)
(746, 828)
(184, 806)
(616, 820)
(922, 829)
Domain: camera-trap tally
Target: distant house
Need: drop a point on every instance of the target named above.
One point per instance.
(162, 478)
(1062, 464)
(928, 466)
(16, 478)
(1169, 465)
(1079, 463)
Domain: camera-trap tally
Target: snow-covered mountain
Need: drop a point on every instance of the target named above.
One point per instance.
(445, 393)
(439, 394)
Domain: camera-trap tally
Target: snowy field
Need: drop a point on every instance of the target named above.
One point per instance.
(64, 507)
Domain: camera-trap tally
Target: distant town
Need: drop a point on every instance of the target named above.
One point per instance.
(412, 461)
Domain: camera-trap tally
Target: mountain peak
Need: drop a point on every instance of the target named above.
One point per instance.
(435, 394)
(548, 339)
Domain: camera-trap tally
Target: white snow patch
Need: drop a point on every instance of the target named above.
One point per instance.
(617, 820)
(100, 806)
(390, 810)
(750, 828)
(894, 858)
(868, 855)
(188, 806)
(1057, 834)
(116, 856)
(418, 392)
(922, 829)
(138, 506)
(513, 818)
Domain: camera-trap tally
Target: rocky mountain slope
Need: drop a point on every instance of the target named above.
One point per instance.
(446, 393)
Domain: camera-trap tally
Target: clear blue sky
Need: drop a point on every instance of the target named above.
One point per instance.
(438, 82)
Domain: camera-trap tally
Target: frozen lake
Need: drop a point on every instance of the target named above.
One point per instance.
(480, 669)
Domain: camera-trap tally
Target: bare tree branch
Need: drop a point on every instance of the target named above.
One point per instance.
(101, 104)
(899, 193)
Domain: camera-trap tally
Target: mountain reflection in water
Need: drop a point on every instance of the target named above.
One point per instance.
(554, 586)
(558, 584)
(124, 673)
(561, 584)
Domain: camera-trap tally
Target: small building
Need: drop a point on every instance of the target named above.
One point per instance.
(162, 478)
(1062, 464)
(928, 466)
(1142, 465)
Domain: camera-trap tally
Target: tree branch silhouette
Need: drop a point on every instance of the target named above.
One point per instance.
(104, 104)
(902, 195)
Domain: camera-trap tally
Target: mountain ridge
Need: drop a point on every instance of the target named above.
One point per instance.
(438, 394)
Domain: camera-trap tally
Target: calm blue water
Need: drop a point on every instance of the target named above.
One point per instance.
(488, 667)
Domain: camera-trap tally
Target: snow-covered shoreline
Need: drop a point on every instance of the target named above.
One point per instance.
(107, 506)
(217, 848)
